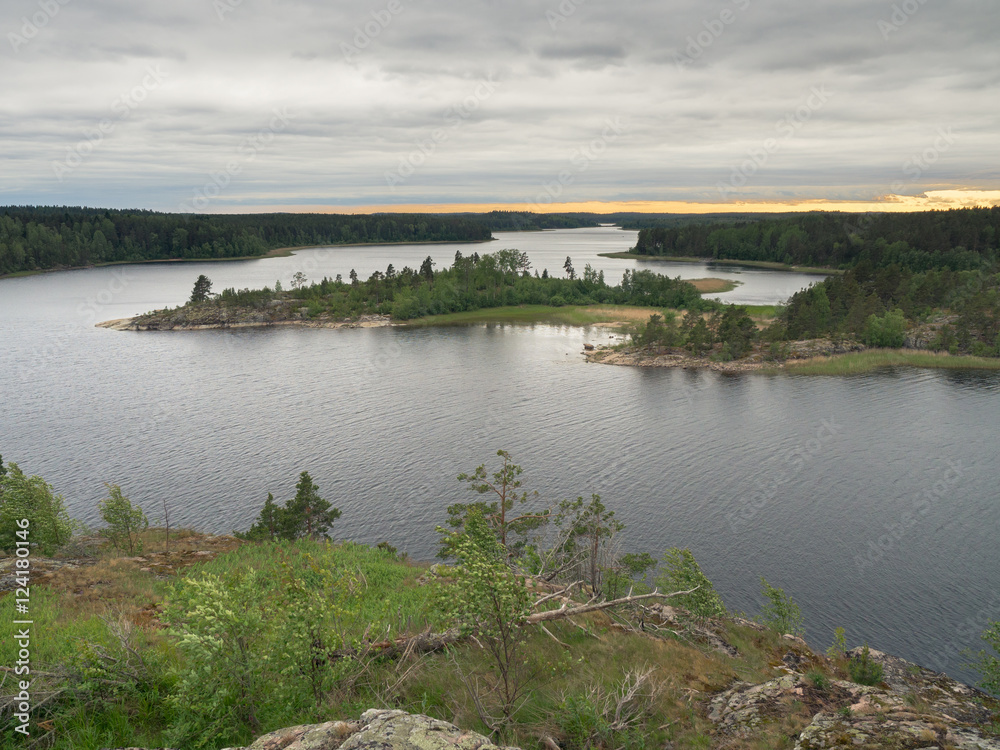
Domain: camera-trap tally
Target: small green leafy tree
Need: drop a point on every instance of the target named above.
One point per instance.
(510, 528)
(32, 498)
(987, 664)
(682, 573)
(202, 289)
(125, 521)
(491, 601)
(780, 614)
(838, 649)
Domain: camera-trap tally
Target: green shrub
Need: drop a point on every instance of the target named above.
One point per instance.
(781, 614)
(887, 332)
(125, 521)
(838, 648)
(863, 670)
(681, 573)
(31, 498)
(987, 664)
(819, 680)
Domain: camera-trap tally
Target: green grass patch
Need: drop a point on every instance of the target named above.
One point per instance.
(570, 315)
(860, 363)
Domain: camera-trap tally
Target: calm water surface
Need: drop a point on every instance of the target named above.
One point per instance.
(872, 500)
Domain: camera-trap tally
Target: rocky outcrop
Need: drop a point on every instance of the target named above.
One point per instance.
(378, 729)
(327, 736)
(208, 316)
(913, 708)
(398, 730)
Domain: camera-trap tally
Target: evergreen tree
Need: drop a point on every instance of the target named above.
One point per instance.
(307, 514)
(202, 289)
(269, 522)
(568, 267)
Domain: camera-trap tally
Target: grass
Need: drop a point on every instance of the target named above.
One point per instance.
(747, 263)
(713, 286)
(569, 680)
(864, 362)
(570, 315)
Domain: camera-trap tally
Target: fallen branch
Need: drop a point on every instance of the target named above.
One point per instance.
(415, 644)
(566, 611)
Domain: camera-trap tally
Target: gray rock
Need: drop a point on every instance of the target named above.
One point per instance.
(398, 730)
(328, 736)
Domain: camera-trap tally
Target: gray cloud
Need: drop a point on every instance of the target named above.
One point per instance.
(700, 87)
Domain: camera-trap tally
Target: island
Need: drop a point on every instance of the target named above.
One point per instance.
(866, 317)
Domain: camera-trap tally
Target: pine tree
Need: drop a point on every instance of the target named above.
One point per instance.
(269, 522)
(202, 288)
(307, 514)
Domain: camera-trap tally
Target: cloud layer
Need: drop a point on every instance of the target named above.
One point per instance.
(219, 105)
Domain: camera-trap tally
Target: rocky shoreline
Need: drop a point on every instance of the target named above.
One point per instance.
(144, 323)
(758, 359)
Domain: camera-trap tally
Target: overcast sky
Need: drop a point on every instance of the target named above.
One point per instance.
(222, 105)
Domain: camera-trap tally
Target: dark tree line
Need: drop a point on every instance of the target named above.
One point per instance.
(958, 239)
(36, 238)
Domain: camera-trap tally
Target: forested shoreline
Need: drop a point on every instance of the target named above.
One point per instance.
(959, 239)
(34, 238)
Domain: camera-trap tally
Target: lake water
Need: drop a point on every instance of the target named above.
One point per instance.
(872, 500)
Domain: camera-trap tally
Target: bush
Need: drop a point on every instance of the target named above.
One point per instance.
(125, 521)
(838, 649)
(863, 670)
(781, 614)
(32, 498)
(887, 332)
(988, 665)
(682, 573)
